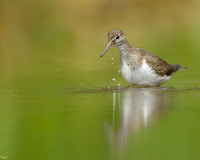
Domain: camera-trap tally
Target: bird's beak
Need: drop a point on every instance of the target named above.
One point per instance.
(106, 49)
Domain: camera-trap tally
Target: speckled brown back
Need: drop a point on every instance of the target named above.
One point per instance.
(159, 65)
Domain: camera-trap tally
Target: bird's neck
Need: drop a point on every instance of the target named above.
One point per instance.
(124, 48)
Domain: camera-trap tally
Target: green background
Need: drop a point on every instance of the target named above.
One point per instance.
(54, 96)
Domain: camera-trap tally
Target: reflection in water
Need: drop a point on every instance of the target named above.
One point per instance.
(137, 109)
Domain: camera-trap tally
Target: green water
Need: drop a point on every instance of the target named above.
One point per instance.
(58, 99)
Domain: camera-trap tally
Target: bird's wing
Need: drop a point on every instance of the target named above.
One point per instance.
(159, 65)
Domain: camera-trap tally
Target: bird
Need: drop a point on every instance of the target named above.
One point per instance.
(138, 66)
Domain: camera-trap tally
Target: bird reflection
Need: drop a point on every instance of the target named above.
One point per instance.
(138, 108)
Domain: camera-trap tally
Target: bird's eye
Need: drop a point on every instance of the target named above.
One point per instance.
(117, 37)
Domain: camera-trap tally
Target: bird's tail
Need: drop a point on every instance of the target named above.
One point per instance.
(178, 67)
(183, 68)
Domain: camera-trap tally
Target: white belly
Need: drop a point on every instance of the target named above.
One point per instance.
(143, 76)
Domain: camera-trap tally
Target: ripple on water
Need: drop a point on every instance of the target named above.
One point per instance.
(123, 88)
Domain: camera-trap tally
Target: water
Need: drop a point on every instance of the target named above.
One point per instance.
(58, 99)
(114, 79)
(117, 123)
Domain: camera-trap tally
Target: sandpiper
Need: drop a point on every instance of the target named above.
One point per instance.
(138, 66)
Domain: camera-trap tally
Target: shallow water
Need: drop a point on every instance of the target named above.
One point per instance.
(60, 100)
(119, 123)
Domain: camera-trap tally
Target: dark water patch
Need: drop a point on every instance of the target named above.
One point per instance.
(119, 89)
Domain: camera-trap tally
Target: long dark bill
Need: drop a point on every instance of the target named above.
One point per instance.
(106, 49)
